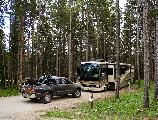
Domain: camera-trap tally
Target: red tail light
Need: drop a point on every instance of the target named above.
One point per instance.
(31, 90)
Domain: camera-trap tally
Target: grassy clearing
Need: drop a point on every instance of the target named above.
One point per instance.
(128, 107)
(9, 92)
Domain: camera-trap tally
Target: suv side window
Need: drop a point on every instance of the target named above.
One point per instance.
(62, 81)
(54, 81)
(68, 81)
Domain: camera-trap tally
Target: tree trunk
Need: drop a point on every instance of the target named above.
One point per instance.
(117, 50)
(21, 47)
(57, 60)
(156, 61)
(87, 37)
(38, 39)
(97, 37)
(146, 56)
(138, 50)
(70, 44)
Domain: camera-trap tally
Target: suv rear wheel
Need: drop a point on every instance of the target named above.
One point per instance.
(47, 97)
(77, 93)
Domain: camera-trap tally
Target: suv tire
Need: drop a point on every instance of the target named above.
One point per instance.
(77, 93)
(47, 97)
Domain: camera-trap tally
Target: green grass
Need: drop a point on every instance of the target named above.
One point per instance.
(9, 92)
(128, 107)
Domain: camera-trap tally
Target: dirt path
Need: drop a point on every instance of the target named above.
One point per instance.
(19, 108)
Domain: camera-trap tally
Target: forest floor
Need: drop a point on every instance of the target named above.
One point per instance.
(19, 108)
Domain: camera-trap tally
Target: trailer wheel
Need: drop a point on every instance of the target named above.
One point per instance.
(112, 86)
(47, 97)
(105, 88)
(77, 93)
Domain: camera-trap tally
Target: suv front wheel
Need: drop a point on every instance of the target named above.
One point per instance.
(77, 93)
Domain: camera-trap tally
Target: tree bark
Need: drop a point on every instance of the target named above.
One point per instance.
(138, 50)
(117, 50)
(146, 56)
(156, 61)
(70, 44)
(21, 45)
(38, 39)
(87, 37)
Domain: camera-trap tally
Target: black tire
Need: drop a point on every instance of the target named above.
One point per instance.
(112, 86)
(47, 97)
(77, 93)
(105, 88)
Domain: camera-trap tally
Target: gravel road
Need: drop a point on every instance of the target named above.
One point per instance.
(19, 108)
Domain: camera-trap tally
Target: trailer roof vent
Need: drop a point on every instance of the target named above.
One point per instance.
(100, 60)
(110, 61)
(92, 59)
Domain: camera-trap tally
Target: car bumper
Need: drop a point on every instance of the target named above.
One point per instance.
(25, 95)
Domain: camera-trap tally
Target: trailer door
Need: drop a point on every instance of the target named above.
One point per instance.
(110, 73)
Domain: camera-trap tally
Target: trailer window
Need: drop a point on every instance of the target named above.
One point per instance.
(94, 72)
(110, 71)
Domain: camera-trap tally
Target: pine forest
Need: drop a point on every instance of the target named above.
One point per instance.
(55, 36)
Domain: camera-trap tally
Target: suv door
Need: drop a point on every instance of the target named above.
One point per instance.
(62, 87)
(69, 86)
(53, 85)
(66, 86)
